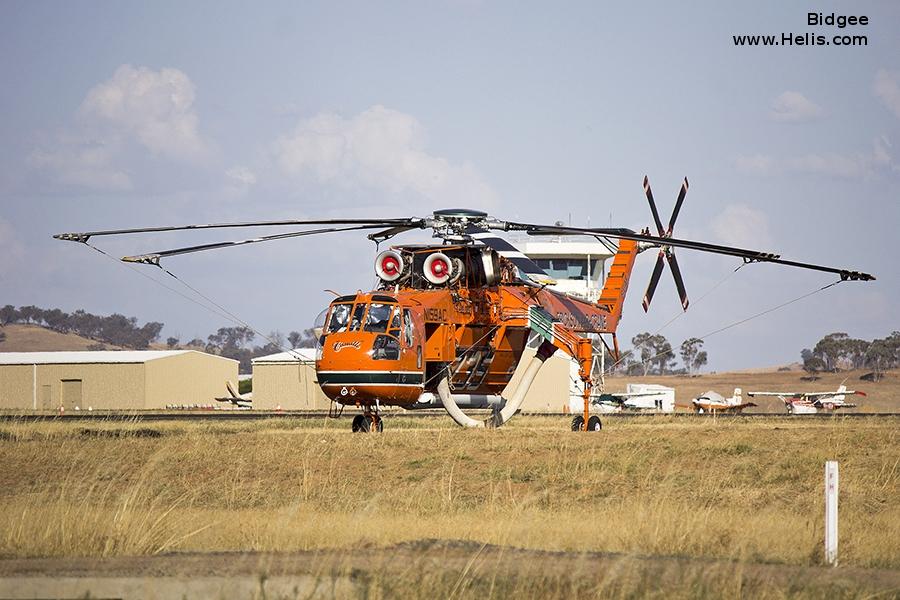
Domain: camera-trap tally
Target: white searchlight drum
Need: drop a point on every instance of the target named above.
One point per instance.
(437, 268)
(389, 265)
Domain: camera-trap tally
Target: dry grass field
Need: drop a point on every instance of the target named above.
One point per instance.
(660, 506)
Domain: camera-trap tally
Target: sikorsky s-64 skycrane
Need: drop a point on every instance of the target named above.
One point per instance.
(448, 323)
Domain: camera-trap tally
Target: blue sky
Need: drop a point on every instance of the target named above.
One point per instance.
(125, 114)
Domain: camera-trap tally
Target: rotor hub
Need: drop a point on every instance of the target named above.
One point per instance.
(450, 224)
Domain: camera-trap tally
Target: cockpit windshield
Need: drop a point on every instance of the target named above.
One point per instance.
(378, 318)
(340, 315)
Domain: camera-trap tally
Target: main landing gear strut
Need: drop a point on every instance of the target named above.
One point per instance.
(370, 421)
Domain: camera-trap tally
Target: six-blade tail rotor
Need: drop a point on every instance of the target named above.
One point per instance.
(666, 253)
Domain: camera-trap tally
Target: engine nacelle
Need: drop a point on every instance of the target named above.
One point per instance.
(389, 265)
(439, 268)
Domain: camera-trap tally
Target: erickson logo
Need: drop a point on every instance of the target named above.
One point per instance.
(338, 346)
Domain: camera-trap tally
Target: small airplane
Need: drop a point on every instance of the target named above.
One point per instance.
(238, 400)
(449, 321)
(636, 399)
(808, 403)
(712, 402)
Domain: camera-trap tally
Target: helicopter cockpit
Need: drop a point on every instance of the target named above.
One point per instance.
(376, 314)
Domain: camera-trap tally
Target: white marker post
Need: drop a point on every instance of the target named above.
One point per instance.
(831, 512)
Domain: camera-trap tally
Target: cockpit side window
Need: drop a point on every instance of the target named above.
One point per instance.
(340, 315)
(407, 328)
(396, 322)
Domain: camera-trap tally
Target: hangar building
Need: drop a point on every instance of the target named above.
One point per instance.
(287, 380)
(134, 380)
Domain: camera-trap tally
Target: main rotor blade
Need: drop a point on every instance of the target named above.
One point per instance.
(386, 234)
(681, 194)
(628, 234)
(679, 282)
(654, 280)
(154, 257)
(527, 268)
(85, 236)
(649, 193)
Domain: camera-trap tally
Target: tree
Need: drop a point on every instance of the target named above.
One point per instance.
(643, 345)
(8, 314)
(831, 349)
(172, 341)
(307, 339)
(692, 355)
(29, 313)
(294, 338)
(149, 333)
(275, 344)
(230, 338)
(654, 350)
(884, 353)
(812, 364)
(855, 353)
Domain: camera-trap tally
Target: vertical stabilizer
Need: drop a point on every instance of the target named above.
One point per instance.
(613, 295)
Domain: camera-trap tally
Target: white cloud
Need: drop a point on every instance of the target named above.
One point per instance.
(381, 149)
(137, 110)
(887, 88)
(241, 176)
(742, 226)
(154, 107)
(794, 106)
(848, 166)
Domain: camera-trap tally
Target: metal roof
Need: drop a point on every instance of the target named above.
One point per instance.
(305, 355)
(89, 357)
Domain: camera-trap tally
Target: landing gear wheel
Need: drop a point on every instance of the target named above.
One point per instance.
(360, 424)
(578, 423)
(594, 424)
(371, 426)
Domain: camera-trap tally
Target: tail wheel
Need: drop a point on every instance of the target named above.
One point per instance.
(594, 424)
(578, 423)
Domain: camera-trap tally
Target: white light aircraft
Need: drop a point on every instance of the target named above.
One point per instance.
(807, 403)
(636, 398)
(712, 402)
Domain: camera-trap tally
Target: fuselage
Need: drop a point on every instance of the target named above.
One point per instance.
(389, 346)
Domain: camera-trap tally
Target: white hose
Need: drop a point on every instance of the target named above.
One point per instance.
(545, 351)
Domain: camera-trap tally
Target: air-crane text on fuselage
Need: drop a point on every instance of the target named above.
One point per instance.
(582, 322)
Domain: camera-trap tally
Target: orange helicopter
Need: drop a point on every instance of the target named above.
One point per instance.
(449, 323)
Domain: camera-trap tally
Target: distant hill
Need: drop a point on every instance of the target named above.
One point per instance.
(34, 338)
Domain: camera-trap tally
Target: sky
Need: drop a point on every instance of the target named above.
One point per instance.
(126, 114)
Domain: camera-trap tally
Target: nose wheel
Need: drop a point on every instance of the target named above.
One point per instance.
(369, 422)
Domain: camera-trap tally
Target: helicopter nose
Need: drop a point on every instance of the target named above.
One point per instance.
(356, 368)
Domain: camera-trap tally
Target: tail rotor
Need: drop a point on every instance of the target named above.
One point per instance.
(666, 253)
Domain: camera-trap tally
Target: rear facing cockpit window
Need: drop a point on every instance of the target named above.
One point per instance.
(340, 315)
